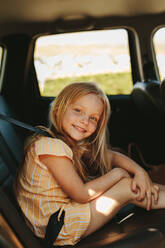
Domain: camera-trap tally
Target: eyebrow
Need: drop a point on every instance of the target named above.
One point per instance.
(79, 105)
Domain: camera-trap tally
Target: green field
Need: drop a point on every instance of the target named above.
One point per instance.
(111, 83)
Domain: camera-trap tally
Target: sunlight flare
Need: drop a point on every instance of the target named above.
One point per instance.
(105, 205)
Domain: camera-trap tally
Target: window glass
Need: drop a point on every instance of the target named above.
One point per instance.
(1, 52)
(0, 56)
(97, 56)
(159, 46)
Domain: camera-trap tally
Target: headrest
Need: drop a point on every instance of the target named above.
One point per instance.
(146, 95)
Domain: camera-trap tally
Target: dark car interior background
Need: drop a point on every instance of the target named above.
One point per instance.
(137, 115)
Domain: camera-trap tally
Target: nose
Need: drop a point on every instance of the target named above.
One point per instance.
(84, 119)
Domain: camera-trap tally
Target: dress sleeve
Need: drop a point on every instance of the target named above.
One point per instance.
(52, 146)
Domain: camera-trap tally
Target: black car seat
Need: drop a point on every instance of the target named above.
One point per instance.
(146, 96)
(162, 93)
(11, 153)
(121, 232)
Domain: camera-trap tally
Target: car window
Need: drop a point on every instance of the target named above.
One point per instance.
(0, 56)
(159, 47)
(1, 53)
(99, 56)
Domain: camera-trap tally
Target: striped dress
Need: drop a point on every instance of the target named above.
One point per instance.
(39, 195)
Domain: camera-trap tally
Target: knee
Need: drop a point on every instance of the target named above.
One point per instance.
(126, 186)
(126, 182)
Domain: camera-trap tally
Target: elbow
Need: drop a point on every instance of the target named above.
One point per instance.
(83, 195)
(85, 200)
(87, 196)
(82, 199)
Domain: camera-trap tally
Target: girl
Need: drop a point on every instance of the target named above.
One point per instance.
(76, 171)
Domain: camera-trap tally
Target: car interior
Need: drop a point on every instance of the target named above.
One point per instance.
(137, 117)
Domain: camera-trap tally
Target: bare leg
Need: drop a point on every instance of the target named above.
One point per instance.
(106, 206)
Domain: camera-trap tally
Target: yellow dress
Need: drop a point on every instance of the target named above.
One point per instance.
(39, 195)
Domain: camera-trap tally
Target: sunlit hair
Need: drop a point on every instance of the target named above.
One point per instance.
(90, 155)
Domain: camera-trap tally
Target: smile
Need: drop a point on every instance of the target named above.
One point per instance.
(80, 129)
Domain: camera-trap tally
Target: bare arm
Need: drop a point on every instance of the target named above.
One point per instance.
(122, 161)
(141, 180)
(65, 174)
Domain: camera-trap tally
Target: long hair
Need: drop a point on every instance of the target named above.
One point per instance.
(90, 155)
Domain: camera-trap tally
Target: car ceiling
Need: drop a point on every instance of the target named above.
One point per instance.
(49, 10)
(14, 13)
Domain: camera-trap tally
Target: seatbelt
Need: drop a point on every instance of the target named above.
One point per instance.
(24, 125)
(54, 225)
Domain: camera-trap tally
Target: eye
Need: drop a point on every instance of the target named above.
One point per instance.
(77, 110)
(93, 118)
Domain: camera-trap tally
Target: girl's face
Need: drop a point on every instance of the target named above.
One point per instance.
(81, 117)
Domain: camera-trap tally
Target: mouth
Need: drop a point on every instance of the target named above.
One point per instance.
(80, 129)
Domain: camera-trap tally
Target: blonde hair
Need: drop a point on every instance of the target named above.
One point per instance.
(90, 155)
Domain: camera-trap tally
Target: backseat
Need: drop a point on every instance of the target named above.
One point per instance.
(135, 228)
(146, 96)
(11, 153)
(8, 134)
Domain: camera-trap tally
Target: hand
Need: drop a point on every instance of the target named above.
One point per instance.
(142, 184)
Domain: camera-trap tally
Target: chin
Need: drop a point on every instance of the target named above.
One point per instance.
(78, 139)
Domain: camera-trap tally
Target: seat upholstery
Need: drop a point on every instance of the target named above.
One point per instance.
(162, 92)
(8, 132)
(11, 152)
(146, 96)
(128, 230)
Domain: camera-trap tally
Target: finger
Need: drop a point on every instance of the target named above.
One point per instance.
(142, 194)
(149, 200)
(134, 186)
(155, 193)
(156, 187)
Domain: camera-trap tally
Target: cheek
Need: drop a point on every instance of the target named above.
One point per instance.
(69, 117)
(92, 128)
